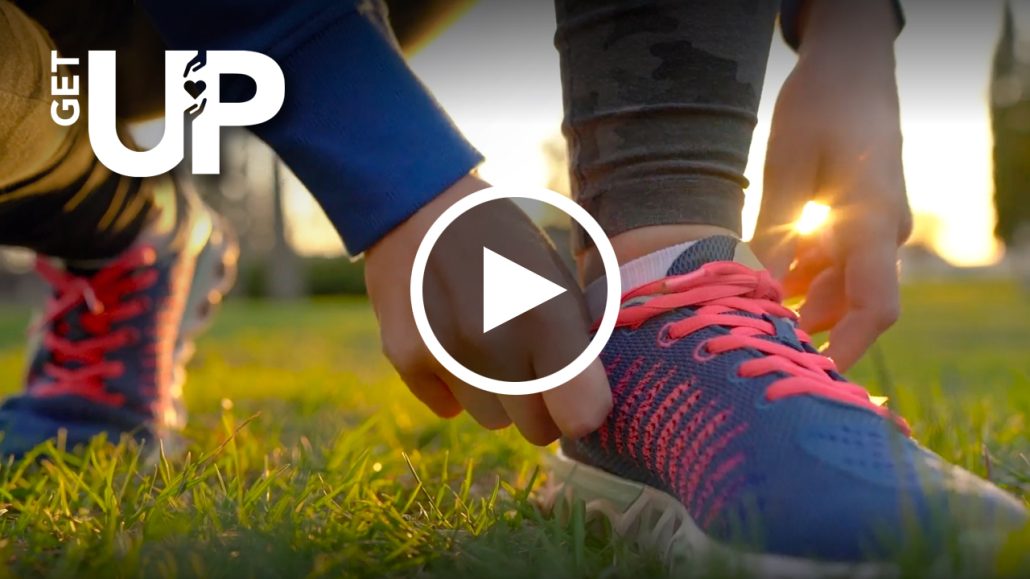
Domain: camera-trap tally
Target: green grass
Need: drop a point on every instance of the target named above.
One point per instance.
(307, 457)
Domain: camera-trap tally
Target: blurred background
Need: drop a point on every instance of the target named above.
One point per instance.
(964, 80)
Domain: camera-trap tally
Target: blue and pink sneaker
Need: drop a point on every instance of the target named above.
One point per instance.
(113, 341)
(732, 438)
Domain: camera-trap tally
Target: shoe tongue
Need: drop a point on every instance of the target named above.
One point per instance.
(723, 248)
(709, 249)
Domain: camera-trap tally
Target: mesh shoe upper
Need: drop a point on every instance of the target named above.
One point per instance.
(105, 359)
(111, 343)
(721, 402)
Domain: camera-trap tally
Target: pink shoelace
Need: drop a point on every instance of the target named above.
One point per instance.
(103, 294)
(718, 291)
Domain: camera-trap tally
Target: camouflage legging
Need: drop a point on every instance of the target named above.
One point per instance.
(660, 103)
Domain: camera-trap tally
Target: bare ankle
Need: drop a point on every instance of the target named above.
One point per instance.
(635, 243)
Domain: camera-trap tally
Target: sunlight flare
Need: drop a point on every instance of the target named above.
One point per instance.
(813, 217)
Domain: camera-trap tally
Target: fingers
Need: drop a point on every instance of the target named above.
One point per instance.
(409, 359)
(790, 181)
(535, 418)
(824, 304)
(433, 393)
(813, 258)
(483, 406)
(529, 413)
(580, 406)
(872, 298)
(531, 417)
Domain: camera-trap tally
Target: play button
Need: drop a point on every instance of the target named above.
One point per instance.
(496, 305)
(510, 290)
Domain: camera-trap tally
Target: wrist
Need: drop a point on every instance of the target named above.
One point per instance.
(861, 32)
(410, 232)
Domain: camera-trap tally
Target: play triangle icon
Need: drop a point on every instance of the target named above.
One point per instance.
(510, 290)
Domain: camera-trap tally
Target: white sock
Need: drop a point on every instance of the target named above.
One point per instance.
(651, 267)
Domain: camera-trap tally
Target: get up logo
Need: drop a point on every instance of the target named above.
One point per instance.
(194, 95)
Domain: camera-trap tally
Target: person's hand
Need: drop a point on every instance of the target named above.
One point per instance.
(531, 345)
(836, 139)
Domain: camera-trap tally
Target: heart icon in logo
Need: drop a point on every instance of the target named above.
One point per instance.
(195, 88)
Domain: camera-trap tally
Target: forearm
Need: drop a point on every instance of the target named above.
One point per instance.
(356, 127)
(862, 25)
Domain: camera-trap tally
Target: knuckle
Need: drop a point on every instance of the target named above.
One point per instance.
(886, 316)
(906, 226)
(390, 350)
(400, 353)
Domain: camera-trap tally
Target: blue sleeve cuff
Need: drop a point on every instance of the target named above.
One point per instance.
(357, 127)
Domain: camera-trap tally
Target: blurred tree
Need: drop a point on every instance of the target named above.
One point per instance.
(249, 193)
(1010, 120)
(285, 281)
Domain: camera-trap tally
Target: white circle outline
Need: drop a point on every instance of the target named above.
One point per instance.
(611, 305)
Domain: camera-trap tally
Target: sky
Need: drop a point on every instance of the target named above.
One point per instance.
(496, 72)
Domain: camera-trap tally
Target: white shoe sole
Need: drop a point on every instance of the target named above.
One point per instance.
(657, 522)
(214, 274)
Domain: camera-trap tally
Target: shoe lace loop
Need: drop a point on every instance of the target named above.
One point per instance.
(719, 292)
(79, 365)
